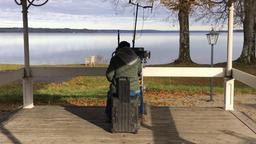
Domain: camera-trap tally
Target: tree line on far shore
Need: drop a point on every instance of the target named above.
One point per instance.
(213, 12)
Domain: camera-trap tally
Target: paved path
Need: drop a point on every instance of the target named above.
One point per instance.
(87, 125)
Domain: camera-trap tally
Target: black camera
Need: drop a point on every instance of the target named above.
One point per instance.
(142, 54)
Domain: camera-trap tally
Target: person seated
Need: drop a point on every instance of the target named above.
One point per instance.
(124, 63)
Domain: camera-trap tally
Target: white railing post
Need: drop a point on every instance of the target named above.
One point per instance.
(27, 80)
(28, 93)
(229, 81)
(229, 94)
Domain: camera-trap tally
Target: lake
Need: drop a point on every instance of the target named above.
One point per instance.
(72, 48)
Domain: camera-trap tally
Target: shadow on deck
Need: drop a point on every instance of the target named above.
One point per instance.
(164, 125)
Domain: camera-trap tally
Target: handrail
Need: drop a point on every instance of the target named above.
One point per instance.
(38, 72)
(68, 72)
(244, 77)
(147, 72)
(184, 72)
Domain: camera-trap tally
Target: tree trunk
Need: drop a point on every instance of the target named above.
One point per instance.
(184, 52)
(248, 52)
(254, 32)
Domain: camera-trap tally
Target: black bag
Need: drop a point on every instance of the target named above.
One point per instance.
(125, 112)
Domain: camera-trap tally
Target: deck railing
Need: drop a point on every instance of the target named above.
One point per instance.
(41, 73)
(244, 77)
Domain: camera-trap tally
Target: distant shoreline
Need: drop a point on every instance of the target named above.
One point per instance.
(67, 30)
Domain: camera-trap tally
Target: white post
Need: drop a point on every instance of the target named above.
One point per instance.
(27, 81)
(230, 40)
(229, 94)
(229, 81)
(28, 93)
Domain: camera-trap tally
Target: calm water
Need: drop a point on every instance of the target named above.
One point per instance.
(72, 48)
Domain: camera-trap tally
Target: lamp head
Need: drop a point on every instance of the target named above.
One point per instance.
(212, 37)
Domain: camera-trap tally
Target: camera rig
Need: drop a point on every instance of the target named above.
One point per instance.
(144, 55)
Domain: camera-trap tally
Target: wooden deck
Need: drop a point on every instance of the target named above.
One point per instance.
(87, 125)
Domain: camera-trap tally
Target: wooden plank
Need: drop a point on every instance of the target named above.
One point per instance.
(148, 72)
(244, 119)
(183, 72)
(244, 77)
(67, 71)
(70, 124)
(10, 76)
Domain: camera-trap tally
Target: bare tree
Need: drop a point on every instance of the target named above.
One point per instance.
(183, 8)
(254, 37)
(248, 52)
(249, 22)
(245, 14)
(213, 11)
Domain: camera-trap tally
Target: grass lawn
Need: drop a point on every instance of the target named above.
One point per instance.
(10, 67)
(86, 90)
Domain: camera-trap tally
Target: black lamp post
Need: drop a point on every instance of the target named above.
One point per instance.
(25, 6)
(212, 38)
(27, 79)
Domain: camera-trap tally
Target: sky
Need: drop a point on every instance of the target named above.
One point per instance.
(90, 14)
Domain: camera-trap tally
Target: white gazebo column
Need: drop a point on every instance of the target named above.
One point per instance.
(229, 81)
(27, 80)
